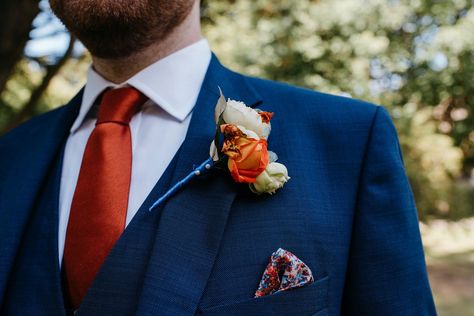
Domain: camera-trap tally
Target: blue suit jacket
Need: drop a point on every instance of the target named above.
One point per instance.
(347, 212)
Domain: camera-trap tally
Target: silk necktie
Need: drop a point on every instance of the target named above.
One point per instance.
(100, 201)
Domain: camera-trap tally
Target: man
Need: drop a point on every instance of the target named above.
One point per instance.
(76, 184)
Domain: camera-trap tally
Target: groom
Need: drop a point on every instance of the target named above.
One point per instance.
(76, 184)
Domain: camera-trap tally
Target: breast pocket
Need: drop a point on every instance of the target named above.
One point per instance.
(310, 299)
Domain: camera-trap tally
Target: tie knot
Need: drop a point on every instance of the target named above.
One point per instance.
(119, 105)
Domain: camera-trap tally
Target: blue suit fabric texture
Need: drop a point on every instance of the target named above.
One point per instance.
(348, 213)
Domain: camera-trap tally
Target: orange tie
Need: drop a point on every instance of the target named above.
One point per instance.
(100, 201)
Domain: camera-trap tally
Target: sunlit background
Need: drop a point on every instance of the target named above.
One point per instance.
(415, 57)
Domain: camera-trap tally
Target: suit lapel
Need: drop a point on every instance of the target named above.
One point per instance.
(193, 221)
(23, 168)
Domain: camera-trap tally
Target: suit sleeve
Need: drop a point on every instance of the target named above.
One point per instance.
(386, 272)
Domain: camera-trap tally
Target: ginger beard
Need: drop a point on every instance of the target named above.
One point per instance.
(113, 29)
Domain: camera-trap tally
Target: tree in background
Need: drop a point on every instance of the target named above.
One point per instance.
(16, 17)
(413, 56)
(25, 76)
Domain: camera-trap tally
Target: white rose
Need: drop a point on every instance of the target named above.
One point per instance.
(270, 180)
(237, 113)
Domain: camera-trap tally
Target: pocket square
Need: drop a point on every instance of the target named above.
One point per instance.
(284, 271)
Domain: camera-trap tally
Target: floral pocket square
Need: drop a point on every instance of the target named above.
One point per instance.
(284, 271)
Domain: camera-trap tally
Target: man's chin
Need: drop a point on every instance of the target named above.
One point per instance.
(117, 48)
(117, 29)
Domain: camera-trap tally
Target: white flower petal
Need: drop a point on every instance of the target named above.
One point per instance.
(237, 113)
(272, 179)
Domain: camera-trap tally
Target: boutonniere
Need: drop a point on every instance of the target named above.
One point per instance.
(240, 147)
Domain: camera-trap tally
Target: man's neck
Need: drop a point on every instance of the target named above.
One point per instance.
(119, 70)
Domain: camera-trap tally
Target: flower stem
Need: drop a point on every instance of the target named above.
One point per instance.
(201, 169)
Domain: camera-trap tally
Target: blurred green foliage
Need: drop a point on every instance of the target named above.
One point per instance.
(415, 57)
(28, 75)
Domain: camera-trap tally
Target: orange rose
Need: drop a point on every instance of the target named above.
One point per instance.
(231, 131)
(248, 158)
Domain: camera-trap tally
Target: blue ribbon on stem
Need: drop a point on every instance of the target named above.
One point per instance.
(201, 169)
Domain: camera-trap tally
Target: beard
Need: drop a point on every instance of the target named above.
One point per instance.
(113, 29)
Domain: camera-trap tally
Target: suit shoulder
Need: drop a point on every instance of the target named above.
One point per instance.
(317, 106)
(31, 127)
(270, 89)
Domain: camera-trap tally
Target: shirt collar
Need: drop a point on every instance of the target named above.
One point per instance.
(172, 83)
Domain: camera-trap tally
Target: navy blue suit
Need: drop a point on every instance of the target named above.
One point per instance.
(347, 212)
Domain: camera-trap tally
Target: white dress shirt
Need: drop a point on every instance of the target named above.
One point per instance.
(172, 84)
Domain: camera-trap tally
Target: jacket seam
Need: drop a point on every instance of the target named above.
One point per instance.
(359, 180)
